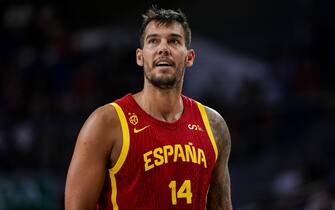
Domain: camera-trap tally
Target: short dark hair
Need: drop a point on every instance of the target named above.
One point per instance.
(163, 16)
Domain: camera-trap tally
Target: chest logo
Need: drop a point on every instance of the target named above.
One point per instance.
(141, 129)
(133, 119)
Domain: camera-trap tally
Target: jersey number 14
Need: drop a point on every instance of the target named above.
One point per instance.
(183, 192)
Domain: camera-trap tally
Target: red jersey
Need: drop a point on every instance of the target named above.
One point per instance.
(162, 165)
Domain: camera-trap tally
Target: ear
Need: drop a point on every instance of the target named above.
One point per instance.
(139, 57)
(190, 57)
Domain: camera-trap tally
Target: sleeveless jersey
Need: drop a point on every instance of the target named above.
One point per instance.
(161, 165)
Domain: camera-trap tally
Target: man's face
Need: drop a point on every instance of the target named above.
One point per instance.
(164, 55)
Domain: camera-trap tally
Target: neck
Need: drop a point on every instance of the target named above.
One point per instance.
(162, 104)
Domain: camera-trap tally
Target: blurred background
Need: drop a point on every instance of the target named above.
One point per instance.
(266, 66)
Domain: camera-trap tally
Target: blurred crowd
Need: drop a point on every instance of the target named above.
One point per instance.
(280, 109)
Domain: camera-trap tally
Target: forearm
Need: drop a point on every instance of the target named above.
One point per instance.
(219, 195)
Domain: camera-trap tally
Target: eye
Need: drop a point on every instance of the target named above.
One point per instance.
(175, 41)
(152, 41)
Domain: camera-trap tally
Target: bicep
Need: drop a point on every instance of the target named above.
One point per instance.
(87, 169)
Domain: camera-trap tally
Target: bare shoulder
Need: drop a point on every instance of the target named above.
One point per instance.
(105, 114)
(101, 127)
(219, 128)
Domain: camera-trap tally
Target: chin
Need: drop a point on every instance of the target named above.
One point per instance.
(163, 82)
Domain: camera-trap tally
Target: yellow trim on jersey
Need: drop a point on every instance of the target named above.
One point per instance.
(123, 154)
(114, 190)
(208, 128)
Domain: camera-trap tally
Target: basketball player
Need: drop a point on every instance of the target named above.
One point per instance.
(156, 149)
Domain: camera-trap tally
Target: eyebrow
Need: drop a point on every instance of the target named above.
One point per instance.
(157, 35)
(150, 36)
(177, 36)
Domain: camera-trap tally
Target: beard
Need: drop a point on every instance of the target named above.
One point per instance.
(165, 81)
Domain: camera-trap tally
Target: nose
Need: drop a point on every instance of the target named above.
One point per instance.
(164, 49)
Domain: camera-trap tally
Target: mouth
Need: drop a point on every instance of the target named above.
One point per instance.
(164, 63)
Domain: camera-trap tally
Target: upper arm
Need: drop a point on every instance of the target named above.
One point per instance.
(90, 159)
(219, 192)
